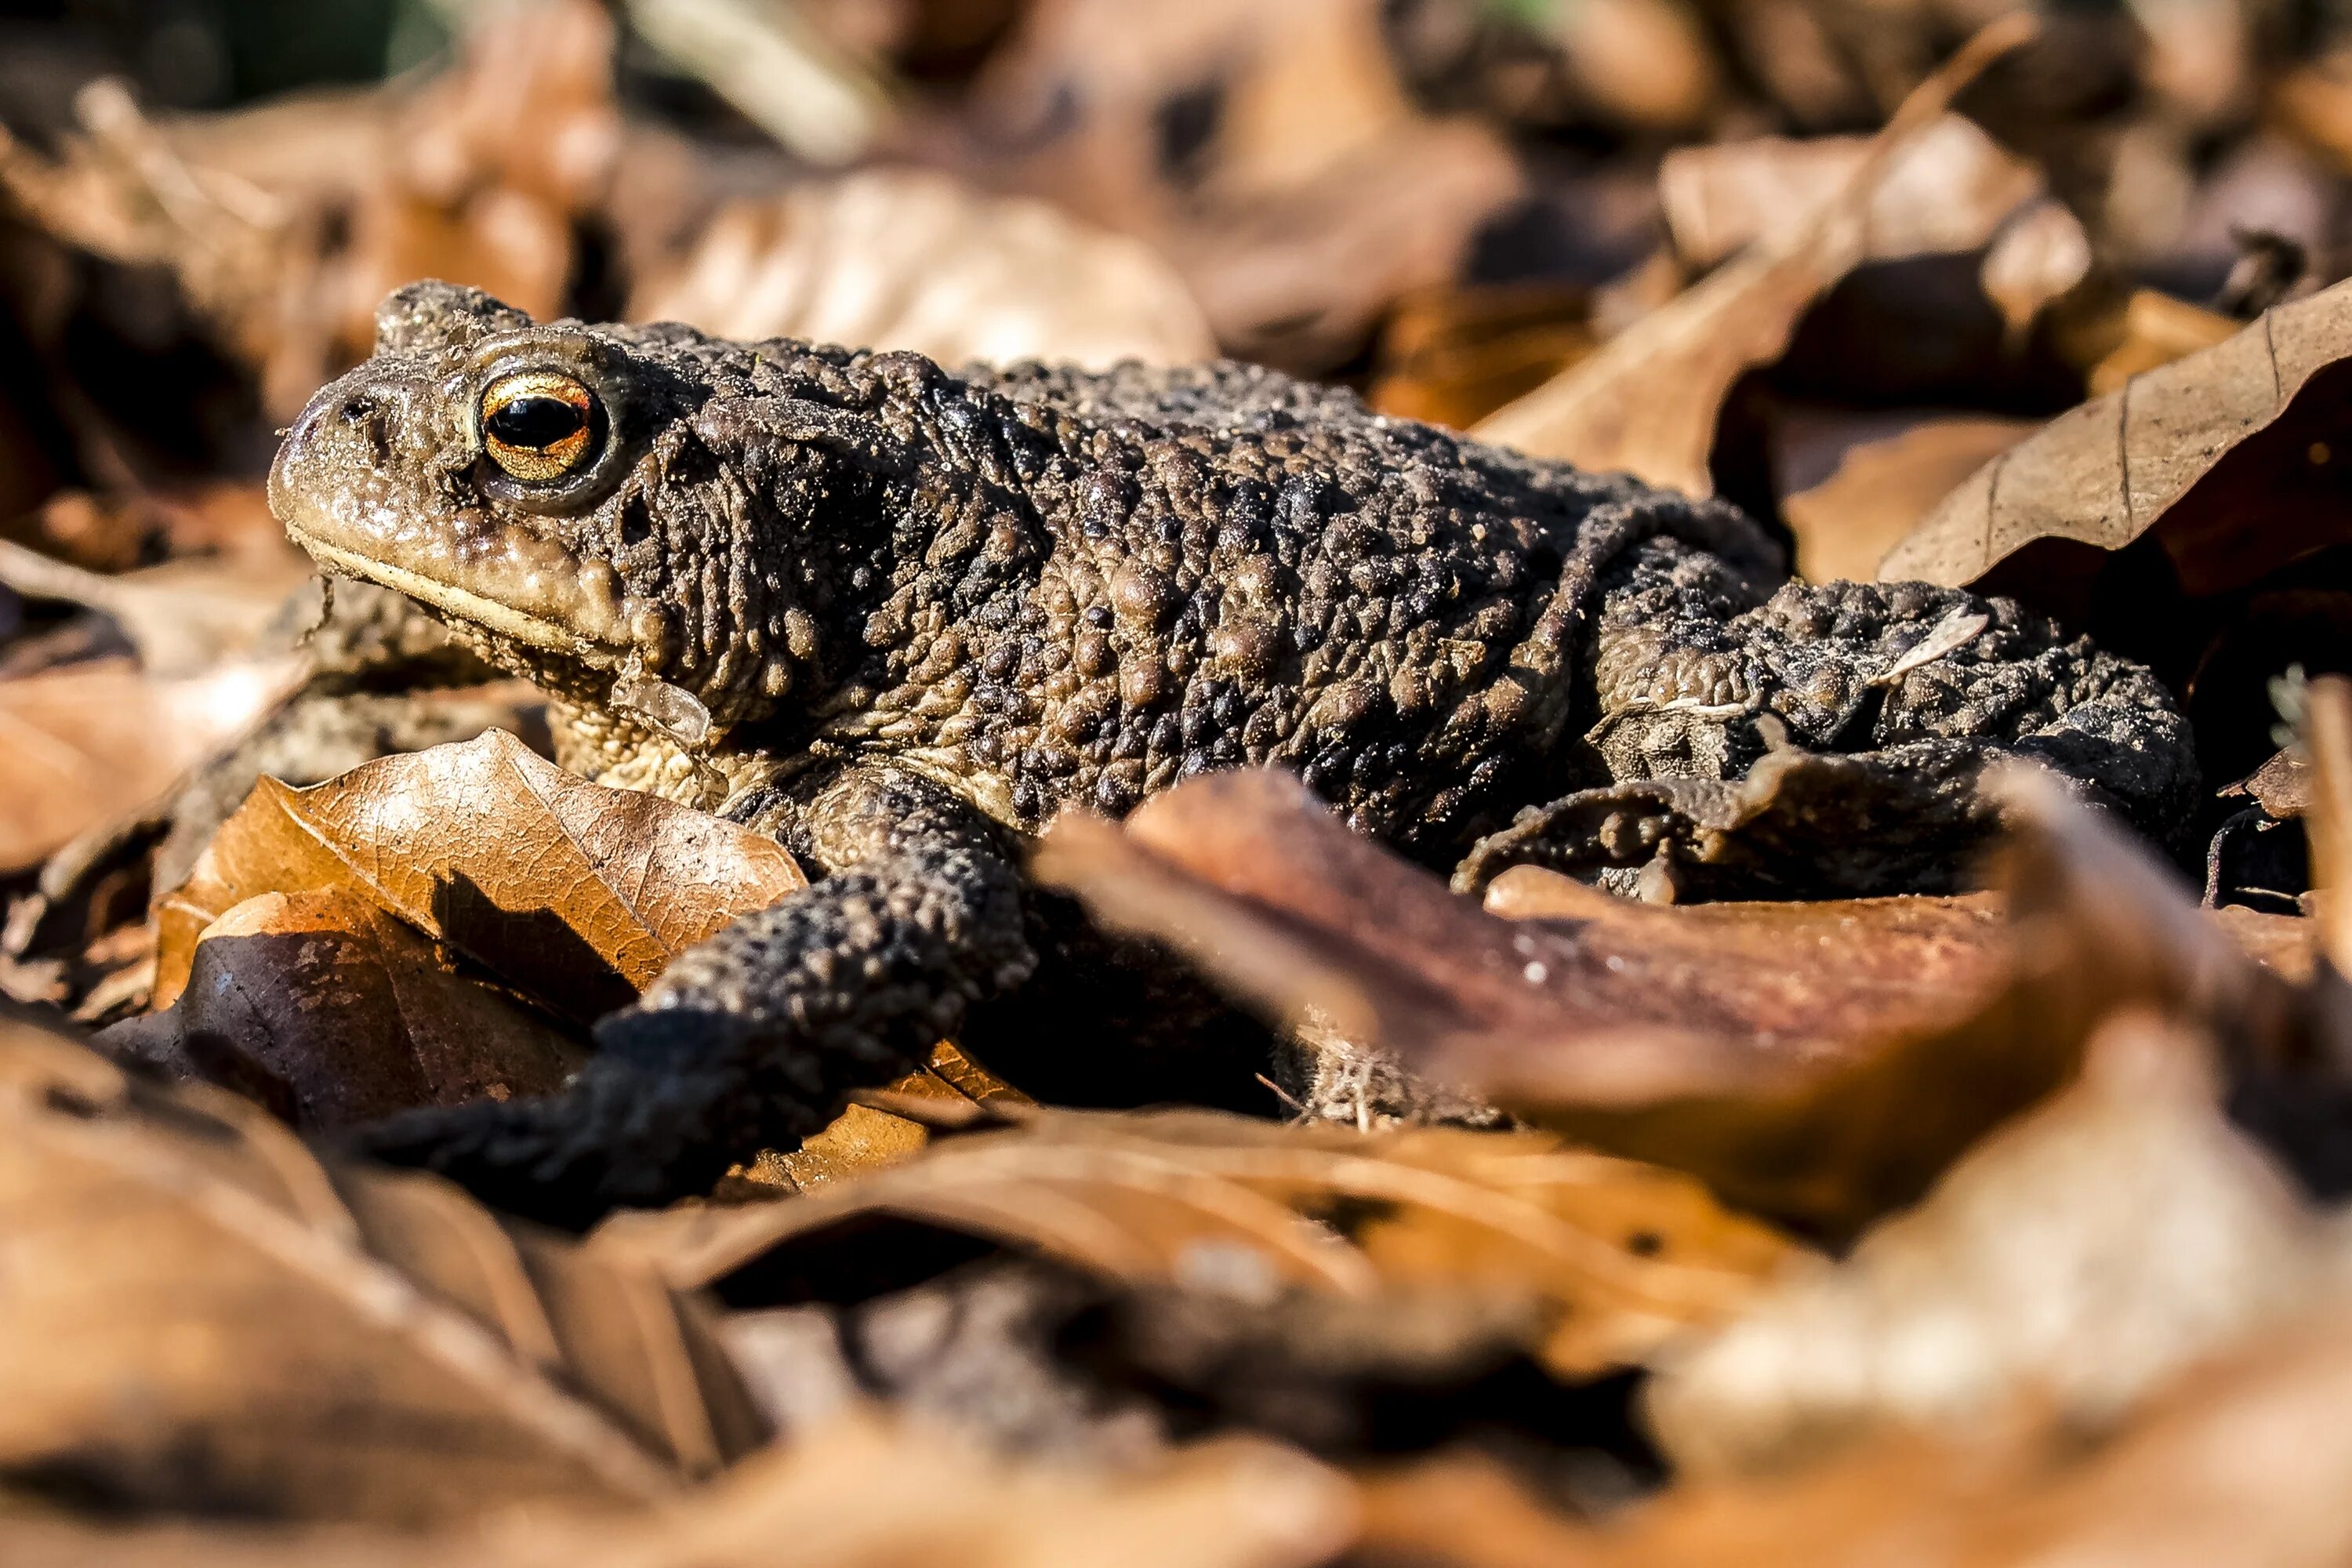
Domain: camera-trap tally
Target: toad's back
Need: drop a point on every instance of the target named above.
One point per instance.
(1241, 568)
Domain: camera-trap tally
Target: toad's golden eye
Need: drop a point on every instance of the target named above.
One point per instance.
(540, 425)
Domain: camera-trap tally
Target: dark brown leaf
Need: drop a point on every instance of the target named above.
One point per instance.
(331, 1012)
(1608, 1040)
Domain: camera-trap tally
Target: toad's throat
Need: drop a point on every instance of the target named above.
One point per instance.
(570, 639)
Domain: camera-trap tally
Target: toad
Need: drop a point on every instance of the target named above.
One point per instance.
(900, 616)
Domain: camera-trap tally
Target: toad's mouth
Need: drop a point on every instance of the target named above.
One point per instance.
(495, 616)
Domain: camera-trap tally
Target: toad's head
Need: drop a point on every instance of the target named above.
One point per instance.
(594, 505)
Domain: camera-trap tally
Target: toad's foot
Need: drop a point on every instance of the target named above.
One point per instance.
(755, 1038)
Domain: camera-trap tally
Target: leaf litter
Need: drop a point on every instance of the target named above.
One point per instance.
(1990, 1228)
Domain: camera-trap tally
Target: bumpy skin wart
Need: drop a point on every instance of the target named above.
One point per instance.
(901, 616)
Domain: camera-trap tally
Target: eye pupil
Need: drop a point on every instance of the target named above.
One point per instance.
(536, 421)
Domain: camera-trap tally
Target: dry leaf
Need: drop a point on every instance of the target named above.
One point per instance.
(1784, 1097)
(1948, 188)
(864, 1495)
(895, 258)
(1453, 356)
(1617, 1257)
(183, 617)
(2039, 257)
(2192, 454)
(2243, 1460)
(2154, 330)
(548, 881)
(1647, 402)
(894, 1124)
(1882, 488)
(330, 1012)
(196, 1316)
(2083, 1255)
(113, 533)
(88, 744)
(1255, 879)
(1310, 194)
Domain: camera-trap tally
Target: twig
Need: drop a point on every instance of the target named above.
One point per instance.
(2327, 742)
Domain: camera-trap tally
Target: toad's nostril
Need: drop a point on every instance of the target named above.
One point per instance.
(359, 407)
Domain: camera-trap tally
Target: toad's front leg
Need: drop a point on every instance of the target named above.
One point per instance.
(756, 1037)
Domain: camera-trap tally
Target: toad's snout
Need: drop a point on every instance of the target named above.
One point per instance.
(376, 480)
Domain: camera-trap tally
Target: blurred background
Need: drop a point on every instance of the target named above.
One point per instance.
(1688, 215)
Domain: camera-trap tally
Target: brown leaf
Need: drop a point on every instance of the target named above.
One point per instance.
(548, 881)
(2187, 453)
(2081, 1255)
(2280, 786)
(892, 1125)
(2241, 1460)
(1647, 402)
(1770, 1079)
(1882, 488)
(86, 743)
(864, 1495)
(2039, 257)
(2327, 816)
(330, 1012)
(897, 258)
(1319, 193)
(1947, 189)
(1616, 1258)
(1451, 356)
(2152, 330)
(197, 1316)
(121, 191)
(1810, 976)
(116, 533)
(183, 617)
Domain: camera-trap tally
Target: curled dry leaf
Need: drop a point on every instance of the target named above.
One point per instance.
(1790, 1090)
(1647, 402)
(544, 878)
(85, 745)
(330, 1012)
(2186, 453)
(2083, 1255)
(1614, 1258)
(865, 1494)
(196, 1315)
(897, 258)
